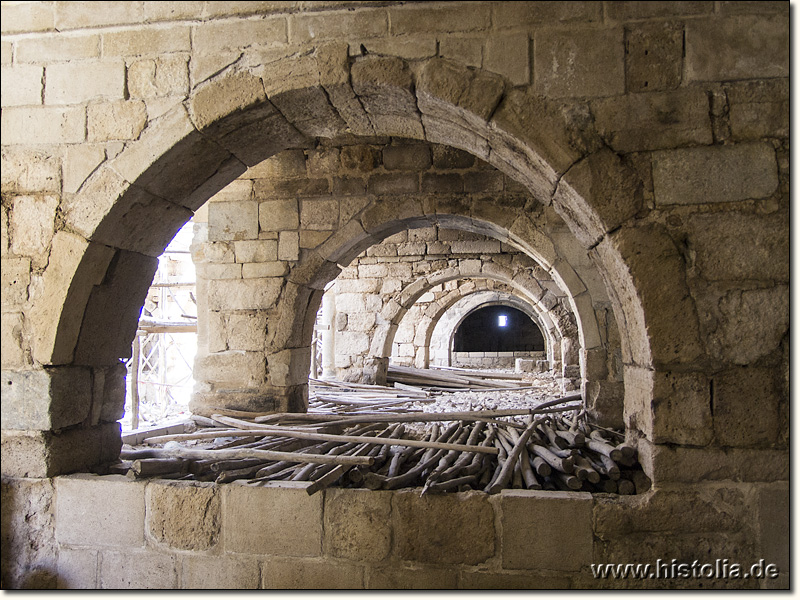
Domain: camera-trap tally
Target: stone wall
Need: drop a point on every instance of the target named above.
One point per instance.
(169, 534)
(273, 223)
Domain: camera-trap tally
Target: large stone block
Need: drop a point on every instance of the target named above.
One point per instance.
(290, 522)
(233, 221)
(774, 508)
(15, 351)
(106, 336)
(713, 509)
(218, 36)
(83, 520)
(120, 120)
(745, 405)
(222, 573)
(147, 41)
(27, 170)
(77, 569)
(278, 215)
(743, 326)
(45, 399)
(385, 88)
(23, 85)
(183, 515)
(74, 47)
(416, 577)
(158, 77)
(32, 224)
(530, 521)
(28, 533)
(758, 109)
(46, 454)
(18, 18)
(138, 570)
(740, 246)
(597, 196)
(677, 464)
(16, 280)
(579, 63)
(743, 47)
(232, 368)
(46, 125)
(357, 524)
(80, 81)
(674, 408)
(443, 529)
(714, 174)
(653, 121)
(311, 574)
(653, 56)
(334, 67)
(508, 55)
(661, 319)
(361, 24)
(420, 19)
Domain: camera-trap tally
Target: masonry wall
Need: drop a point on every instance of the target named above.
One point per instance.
(166, 535)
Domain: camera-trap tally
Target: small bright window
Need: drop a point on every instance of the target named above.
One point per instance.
(502, 320)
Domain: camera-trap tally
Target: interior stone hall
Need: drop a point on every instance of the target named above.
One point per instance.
(488, 295)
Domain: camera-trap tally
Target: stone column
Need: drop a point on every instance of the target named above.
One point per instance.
(328, 333)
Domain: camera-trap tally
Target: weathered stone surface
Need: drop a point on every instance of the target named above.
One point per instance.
(653, 121)
(105, 335)
(713, 508)
(23, 85)
(357, 524)
(508, 55)
(137, 570)
(45, 399)
(714, 174)
(743, 326)
(530, 522)
(233, 221)
(758, 109)
(28, 538)
(740, 246)
(737, 48)
(676, 464)
(745, 407)
(424, 532)
(653, 56)
(294, 527)
(487, 580)
(572, 64)
(774, 508)
(664, 303)
(159, 77)
(77, 82)
(147, 41)
(411, 578)
(224, 573)
(680, 410)
(116, 521)
(77, 569)
(29, 170)
(597, 196)
(184, 516)
(121, 120)
(384, 87)
(311, 574)
(233, 368)
(46, 125)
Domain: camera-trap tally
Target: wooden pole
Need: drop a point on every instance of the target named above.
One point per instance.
(137, 355)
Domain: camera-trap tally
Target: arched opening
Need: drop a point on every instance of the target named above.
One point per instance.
(498, 329)
(155, 173)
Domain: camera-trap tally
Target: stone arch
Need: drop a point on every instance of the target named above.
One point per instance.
(464, 305)
(135, 201)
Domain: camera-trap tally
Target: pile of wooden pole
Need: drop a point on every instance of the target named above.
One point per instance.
(551, 447)
(449, 379)
(353, 398)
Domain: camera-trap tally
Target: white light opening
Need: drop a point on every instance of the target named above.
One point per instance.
(502, 320)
